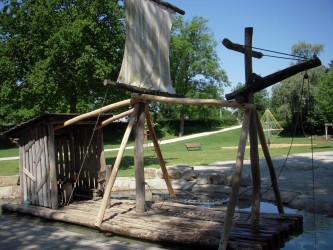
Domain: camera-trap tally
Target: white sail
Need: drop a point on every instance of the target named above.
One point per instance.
(146, 58)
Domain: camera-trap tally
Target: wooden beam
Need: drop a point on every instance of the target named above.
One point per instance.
(240, 48)
(96, 112)
(136, 89)
(115, 118)
(159, 153)
(30, 175)
(140, 195)
(170, 6)
(115, 168)
(235, 181)
(260, 83)
(270, 165)
(254, 154)
(53, 167)
(194, 101)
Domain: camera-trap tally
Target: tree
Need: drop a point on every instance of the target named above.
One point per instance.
(293, 99)
(55, 55)
(195, 68)
(324, 95)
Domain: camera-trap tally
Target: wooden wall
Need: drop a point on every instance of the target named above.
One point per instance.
(45, 159)
(35, 166)
(70, 152)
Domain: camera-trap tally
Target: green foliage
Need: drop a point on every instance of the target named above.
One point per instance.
(324, 97)
(195, 68)
(293, 100)
(55, 55)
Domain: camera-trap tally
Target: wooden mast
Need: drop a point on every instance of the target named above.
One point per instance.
(254, 154)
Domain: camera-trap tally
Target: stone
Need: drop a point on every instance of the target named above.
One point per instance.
(245, 181)
(218, 179)
(150, 173)
(174, 172)
(190, 175)
(203, 180)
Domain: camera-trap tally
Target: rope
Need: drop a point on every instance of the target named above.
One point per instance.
(313, 169)
(88, 147)
(291, 57)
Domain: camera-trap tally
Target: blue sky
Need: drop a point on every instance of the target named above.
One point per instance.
(277, 25)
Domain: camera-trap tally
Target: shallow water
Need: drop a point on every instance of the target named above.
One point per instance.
(317, 230)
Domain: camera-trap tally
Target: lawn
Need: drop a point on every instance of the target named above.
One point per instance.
(213, 150)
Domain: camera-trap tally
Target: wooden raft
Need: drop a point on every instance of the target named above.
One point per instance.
(175, 223)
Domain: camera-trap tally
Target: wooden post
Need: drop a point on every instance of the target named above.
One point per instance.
(270, 165)
(139, 161)
(53, 170)
(159, 153)
(236, 181)
(254, 155)
(115, 168)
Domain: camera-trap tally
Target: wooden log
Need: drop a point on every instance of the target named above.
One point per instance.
(140, 195)
(269, 164)
(159, 153)
(53, 169)
(21, 164)
(114, 118)
(37, 165)
(96, 112)
(136, 89)
(240, 48)
(194, 101)
(254, 154)
(45, 157)
(260, 83)
(170, 6)
(115, 168)
(236, 180)
(29, 145)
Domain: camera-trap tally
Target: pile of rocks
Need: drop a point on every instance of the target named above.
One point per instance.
(185, 178)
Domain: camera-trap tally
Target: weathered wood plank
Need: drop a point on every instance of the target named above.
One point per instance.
(53, 169)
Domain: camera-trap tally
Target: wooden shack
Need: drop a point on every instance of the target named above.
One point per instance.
(53, 160)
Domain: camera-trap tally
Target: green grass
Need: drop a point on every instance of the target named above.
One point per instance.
(176, 153)
(9, 152)
(8, 168)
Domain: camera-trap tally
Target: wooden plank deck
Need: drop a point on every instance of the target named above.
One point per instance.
(175, 223)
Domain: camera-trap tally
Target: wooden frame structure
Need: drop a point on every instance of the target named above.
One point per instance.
(53, 150)
(140, 113)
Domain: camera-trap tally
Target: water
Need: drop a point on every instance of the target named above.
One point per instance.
(317, 230)
(317, 233)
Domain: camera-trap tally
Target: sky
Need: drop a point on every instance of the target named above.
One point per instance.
(277, 25)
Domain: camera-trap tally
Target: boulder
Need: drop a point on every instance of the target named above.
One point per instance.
(150, 173)
(203, 180)
(174, 172)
